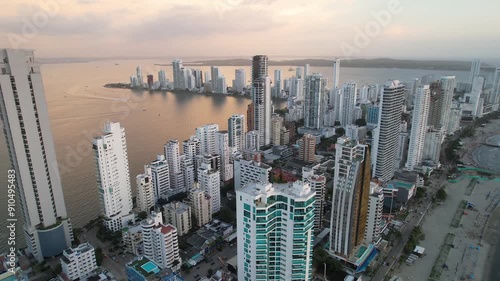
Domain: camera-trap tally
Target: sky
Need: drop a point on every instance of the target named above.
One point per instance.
(444, 29)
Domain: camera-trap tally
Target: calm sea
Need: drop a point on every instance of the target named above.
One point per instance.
(79, 105)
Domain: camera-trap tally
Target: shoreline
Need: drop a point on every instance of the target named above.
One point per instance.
(124, 86)
(473, 144)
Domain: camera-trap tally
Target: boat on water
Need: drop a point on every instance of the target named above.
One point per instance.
(291, 69)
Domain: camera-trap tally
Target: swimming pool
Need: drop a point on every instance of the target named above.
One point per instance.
(150, 267)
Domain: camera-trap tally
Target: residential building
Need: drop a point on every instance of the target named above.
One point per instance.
(418, 127)
(317, 181)
(178, 214)
(374, 220)
(315, 101)
(222, 148)
(160, 242)
(347, 104)
(276, 125)
(179, 83)
(160, 176)
(475, 69)
(132, 239)
(172, 154)
(236, 129)
(372, 114)
(248, 171)
(336, 73)
(250, 117)
(448, 84)
(261, 97)
(78, 262)
(206, 135)
(277, 83)
(252, 140)
(187, 169)
(145, 193)
(402, 146)
(191, 148)
(239, 82)
(201, 205)
(432, 145)
(351, 188)
(28, 135)
(307, 148)
(275, 231)
(209, 180)
(387, 133)
(113, 178)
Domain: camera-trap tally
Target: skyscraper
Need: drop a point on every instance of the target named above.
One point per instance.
(214, 70)
(306, 70)
(435, 105)
(317, 181)
(145, 194)
(178, 75)
(206, 135)
(387, 133)
(275, 231)
(222, 148)
(160, 176)
(23, 109)
(236, 128)
(209, 180)
(276, 125)
(140, 77)
(347, 103)
(250, 117)
(448, 84)
(475, 69)
(277, 83)
(191, 148)
(418, 127)
(307, 148)
(252, 140)
(172, 154)
(201, 205)
(261, 97)
(351, 190)
(239, 80)
(315, 101)
(336, 73)
(495, 95)
(162, 78)
(113, 178)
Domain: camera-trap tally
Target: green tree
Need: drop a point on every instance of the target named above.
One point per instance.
(210, 272)
(99, 256)
(340, 132)
(441, 194)
(360, 122)
(142, 215)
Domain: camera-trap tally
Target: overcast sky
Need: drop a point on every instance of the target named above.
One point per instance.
(205, 28)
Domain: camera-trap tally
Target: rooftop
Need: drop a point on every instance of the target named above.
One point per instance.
(396, 184)
(297, 189)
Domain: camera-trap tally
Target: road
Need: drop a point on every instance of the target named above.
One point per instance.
(415, 218)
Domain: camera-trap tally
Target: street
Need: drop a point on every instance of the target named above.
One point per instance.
(413, 219)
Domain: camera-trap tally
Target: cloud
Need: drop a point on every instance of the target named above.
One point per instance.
(189, 21)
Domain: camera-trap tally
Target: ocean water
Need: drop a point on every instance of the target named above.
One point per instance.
(79, 105)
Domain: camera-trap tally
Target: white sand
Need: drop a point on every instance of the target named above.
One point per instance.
(437, 225)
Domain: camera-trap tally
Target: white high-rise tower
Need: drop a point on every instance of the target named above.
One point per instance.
(418, 127)
(113, 178)
(347, 103)
(315, 101)
(261, 97)
(475, 69)
(172, 154)
(23, 109)
(206, 135)
(386, 136)
(236, 128)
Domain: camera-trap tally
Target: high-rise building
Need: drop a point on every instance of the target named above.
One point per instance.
(252, 140)
(212, 160)
(160, 242)
(347, 103)
(191, 148)
(113, 178)
(372, 114)
(198, 77)
(248, 171)
(250, 117)
(275, 231)
(26, 125)
(160, 176)
(418, 127)
(432, 145)
(221, 85)
(351, 190)
(187, 169)
(474, 70)
(401, 146)
(172, 154)
(206, 135)
(140, 77)
(299, 72)
(448, 83)
(239, 80)
(261, 97)
(201, 205)
(317, 181)
(222, 148)
(386, 135)
(178, 214)
(214, 70)
(315, 101)
(150, 79)
(78, 262)
(162, 78)
(435, 105)
(145, 193)
(296, 90)
(236, 128)
(277, 83)
(209, 180)
(374, 221)
(495, 94)
(179, 83)
(336, 74)
(307, 148)
(276, 125)
(306, 70)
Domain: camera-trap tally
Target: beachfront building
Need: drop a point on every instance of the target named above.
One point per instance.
(418, 127)
(275, 225)
(78, 262)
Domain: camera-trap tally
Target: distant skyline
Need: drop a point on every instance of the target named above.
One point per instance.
(427, 29)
